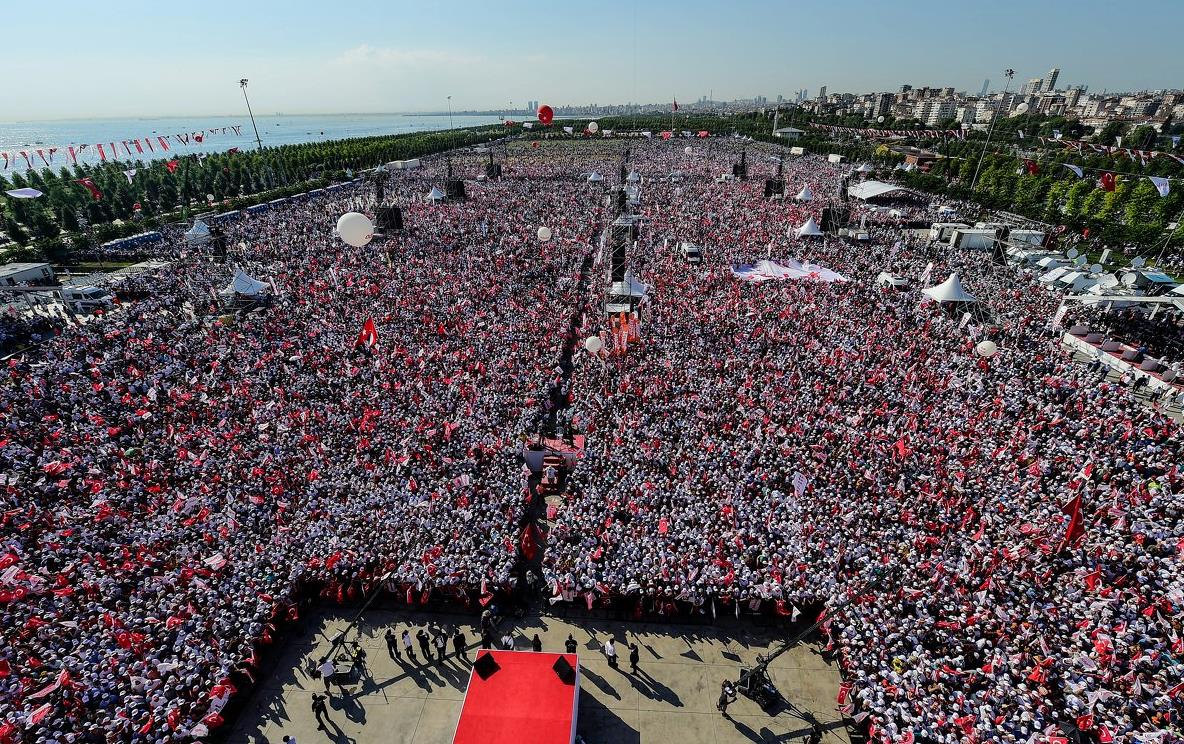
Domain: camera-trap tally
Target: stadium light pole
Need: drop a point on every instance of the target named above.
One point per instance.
(450, 125)
(1009, 74)
(243, 84)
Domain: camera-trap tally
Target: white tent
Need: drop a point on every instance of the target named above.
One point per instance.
(949, 291)
(595, 177)
(633, 177)
(198, 234)
(435, 195)
(865, 168)
(805, 194)
(810, 228)
(244, 285)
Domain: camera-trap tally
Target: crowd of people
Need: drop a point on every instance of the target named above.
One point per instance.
(789, 444)
(177, 479)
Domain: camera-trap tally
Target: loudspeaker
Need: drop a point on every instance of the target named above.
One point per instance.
(740, 171)
(485, 666)
(454, 188)
(774, 187)
(493, 170)
(565, 671)
(389, 218)
(622, 200)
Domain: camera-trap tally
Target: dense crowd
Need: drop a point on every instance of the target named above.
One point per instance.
(785, 444)
(175, 478)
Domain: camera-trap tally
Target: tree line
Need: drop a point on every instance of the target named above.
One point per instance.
(49, 226)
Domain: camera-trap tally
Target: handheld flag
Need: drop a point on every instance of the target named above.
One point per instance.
(368, 338)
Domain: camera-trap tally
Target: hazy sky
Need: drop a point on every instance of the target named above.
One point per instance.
(69, 58)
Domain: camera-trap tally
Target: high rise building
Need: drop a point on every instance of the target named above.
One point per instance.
(882, 105)
(1032, 86)
(1050, 80)
(822, 93)
(986, 84)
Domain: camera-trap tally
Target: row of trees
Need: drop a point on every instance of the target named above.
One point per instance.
(161, 194)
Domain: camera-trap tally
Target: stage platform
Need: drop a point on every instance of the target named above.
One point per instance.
(520, 700)
(671, 698)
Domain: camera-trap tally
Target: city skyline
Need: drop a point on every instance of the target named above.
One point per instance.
(370, 57)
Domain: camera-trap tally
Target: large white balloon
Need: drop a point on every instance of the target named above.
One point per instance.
(593, 127)
(355, 229)
(986, 349)
(593, 344)
(544, 234)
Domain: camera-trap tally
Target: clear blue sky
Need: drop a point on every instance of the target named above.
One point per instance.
(69, 58)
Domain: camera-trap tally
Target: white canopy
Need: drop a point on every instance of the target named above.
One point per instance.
(631, 286)
(949, 291)
(633, 177)
(595, 177)
(865, 168)
(805, 194)
(199, 233)
(244, 285)
(873, 189)
(810, 228)
(435, 195)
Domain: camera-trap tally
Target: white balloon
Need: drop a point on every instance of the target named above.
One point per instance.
(355, 229)
(689, 150)
(544, 234)
(593, 344)
(986, 349)
(593, 127)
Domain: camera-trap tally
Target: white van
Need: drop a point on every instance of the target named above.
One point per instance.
(691, 252)
(87, 299)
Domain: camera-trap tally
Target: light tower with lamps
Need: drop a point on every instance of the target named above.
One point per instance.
(450, 125)
(243, 84)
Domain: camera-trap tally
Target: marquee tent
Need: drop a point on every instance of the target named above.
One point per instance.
(805, 194)
(435, 195)
(199, 234)
(244, 285)
(810, 228)
(949, 291)
(877, 189)
(865, 168)
(595, 177)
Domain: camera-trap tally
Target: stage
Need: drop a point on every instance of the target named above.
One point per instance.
(672, 697)
(520, 699)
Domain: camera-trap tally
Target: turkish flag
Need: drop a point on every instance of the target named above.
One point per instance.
(172, 166)
(89, 185)
(369, 335)
(1076, 528)
(1107, 181)
(1031, 167)
(528, 546)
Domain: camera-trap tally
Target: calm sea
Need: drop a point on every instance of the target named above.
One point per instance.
(276, 129)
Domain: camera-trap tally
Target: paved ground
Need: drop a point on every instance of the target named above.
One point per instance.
(674, 695)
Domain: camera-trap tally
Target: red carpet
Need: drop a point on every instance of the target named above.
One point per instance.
(523, 702)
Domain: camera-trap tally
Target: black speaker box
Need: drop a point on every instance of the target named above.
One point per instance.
(485, 666)
(565, 671)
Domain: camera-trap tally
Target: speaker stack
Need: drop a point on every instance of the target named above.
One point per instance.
(454, 188)
(493, 171)
(389, 218)
(774, 187)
